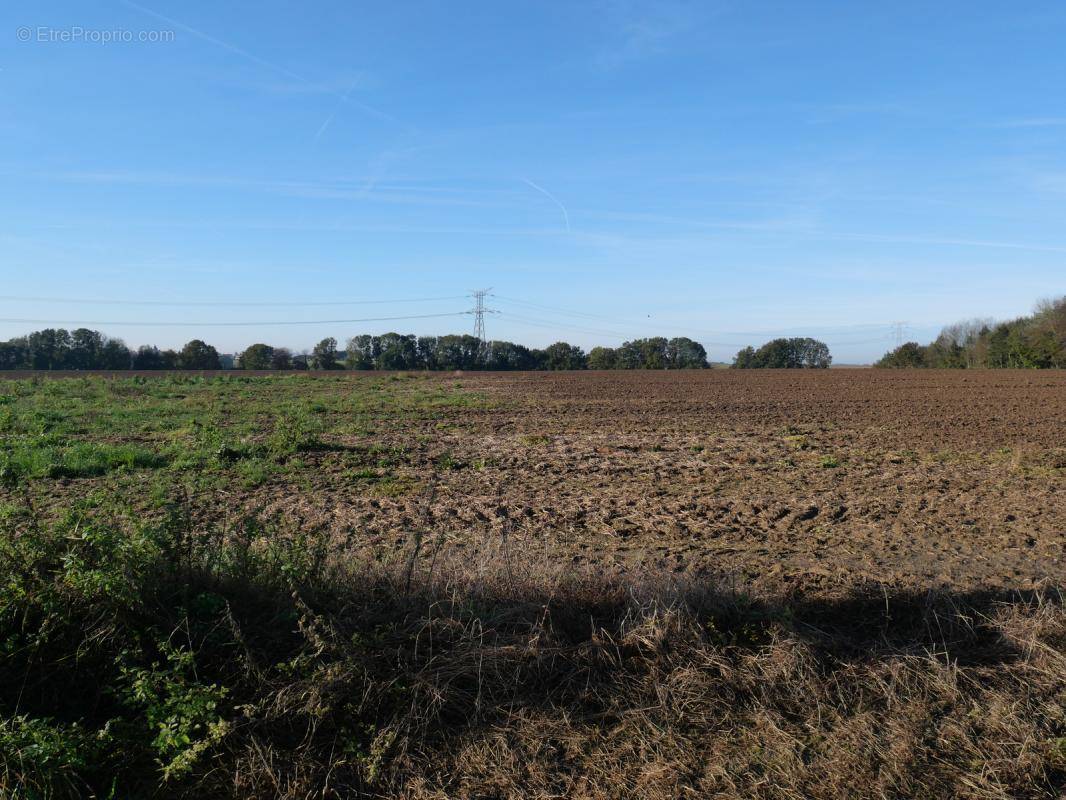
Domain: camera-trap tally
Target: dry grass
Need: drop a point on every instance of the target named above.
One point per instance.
(500, 677)
(587, 688)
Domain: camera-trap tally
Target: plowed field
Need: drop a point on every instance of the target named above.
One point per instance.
(835, 584)
(835, 478)
(773, 480)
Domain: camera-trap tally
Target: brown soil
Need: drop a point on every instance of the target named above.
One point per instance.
(770, 480)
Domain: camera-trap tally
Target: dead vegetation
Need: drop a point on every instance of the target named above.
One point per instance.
(248, 662)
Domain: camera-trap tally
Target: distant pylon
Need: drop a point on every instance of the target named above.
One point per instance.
(897, 329)
(479, 311)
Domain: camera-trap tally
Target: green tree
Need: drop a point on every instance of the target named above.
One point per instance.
(909, 355)
(324, 355)
(427, 352)
(946, 353)
(813, 354)
(796, 353)
(629, 356)
(653, 352)
(396, 351)
(14, 354)
(999, 355)
(148, 357)
(602, 358)
(85, 347)
(777, 354)
(458, 352)
(560, 356)
(509, 356)
(114, 355)
(257, 356)
(684, 353)
(745, 359)
(361, 352)
(197, 354)
(281, 358)
(48, 349)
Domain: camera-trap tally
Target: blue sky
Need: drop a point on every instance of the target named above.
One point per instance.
(730, 170)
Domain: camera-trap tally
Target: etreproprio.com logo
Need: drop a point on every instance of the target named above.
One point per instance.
(76, 34)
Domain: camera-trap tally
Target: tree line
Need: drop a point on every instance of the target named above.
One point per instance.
(406, 351)
(1037, 341)
(59, 349)
(795, 353)
(56, 348)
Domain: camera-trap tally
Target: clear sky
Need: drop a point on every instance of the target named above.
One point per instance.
(727, 169)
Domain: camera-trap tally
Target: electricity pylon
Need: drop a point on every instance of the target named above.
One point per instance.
(897, 329)
(479, 311)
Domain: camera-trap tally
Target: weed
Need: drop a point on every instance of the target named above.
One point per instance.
(447, 461)
(182, 712)
(534, 439)
(43, 758)
(295, 430)
(255, 472)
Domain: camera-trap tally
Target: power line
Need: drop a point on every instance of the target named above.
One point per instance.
(572, 327)
(878, 340)
(554, 309)
(223, 303)
(186, 324)
(478, 311)
(543, 323)
(862, 329)
(561, 326)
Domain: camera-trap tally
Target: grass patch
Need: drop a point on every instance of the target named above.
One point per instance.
(255, 472)
(228, 425)
(42, 458)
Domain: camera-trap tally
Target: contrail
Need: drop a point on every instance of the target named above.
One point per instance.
(553, 198)
(322, 128)
(329, 119)
(217, 42)
(374, 112)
